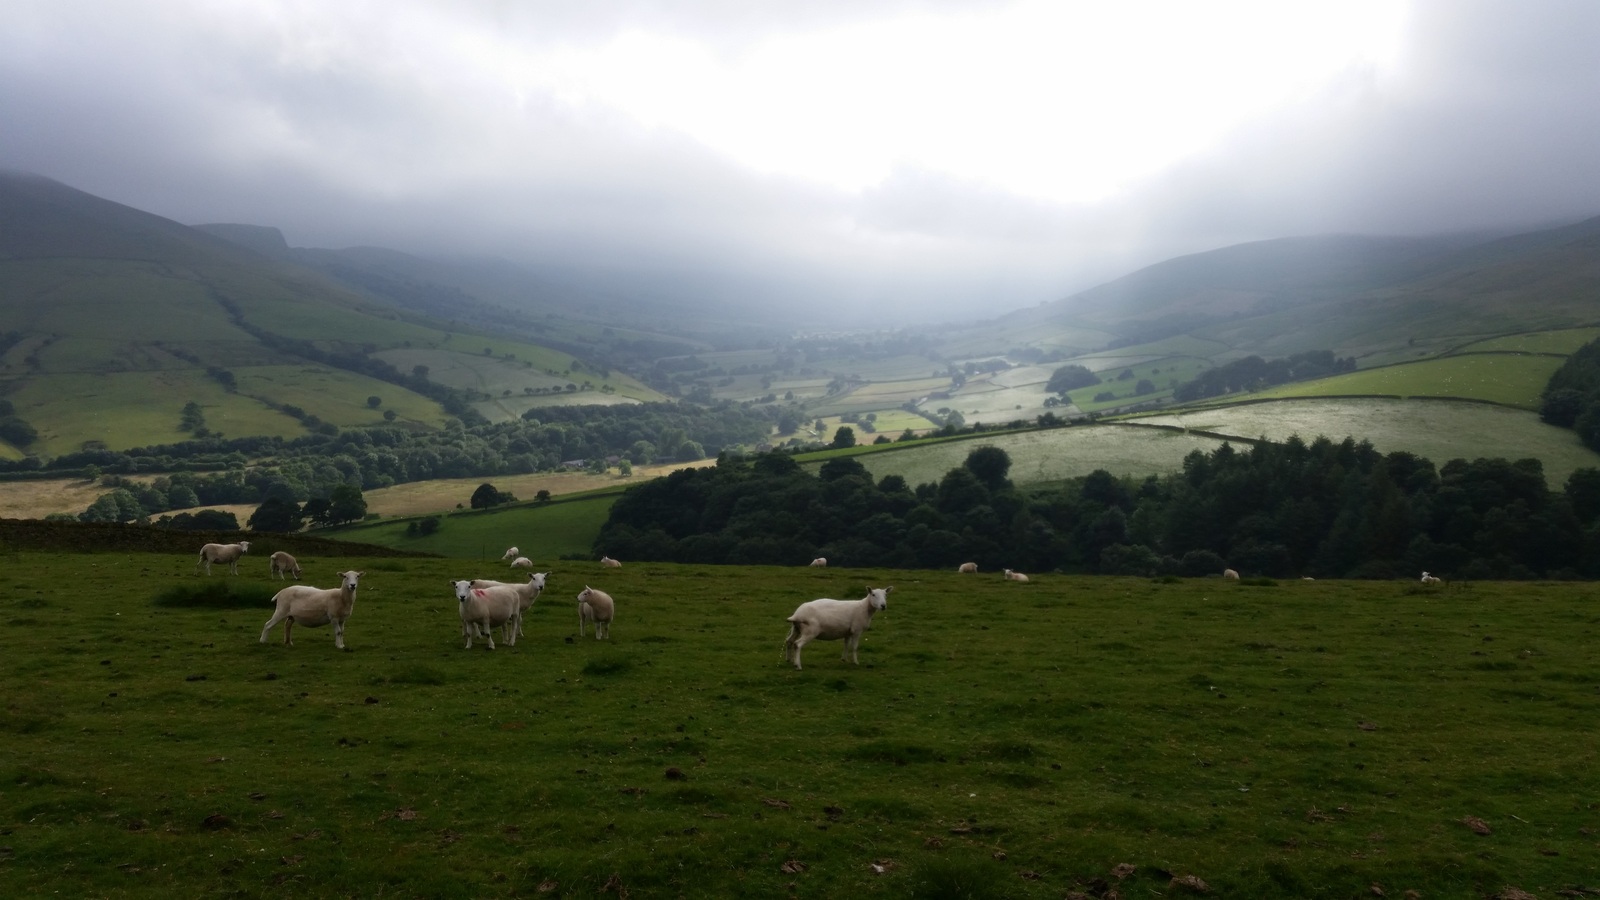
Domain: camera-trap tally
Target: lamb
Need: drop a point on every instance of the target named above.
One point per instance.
(521, 562)
(487, 608)
(1430, 579)
(512, 553)
(830, 620)
(967, 568)
(223, 553)
(283, 563)
(314, 607)
(1016, 576)
(527, 592)
(1230, 574)
(610, 563)
(596, 607)
(820, 562)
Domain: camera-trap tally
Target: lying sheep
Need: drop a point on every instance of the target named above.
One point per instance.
(830, 620)
(820, 562)
(610, 563)
(487, 608)
(511, 553)
(223, 553)
(596, 607)
(522, 562)
(1230, 574)
(1430, 579)
(282, 564)
(967, 568)
(527, 592)
(1016, 576)
(314, 607)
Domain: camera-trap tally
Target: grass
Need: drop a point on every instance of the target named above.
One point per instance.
(1566, 341)
(1306, 739)
(544, 533)
(1505, 378)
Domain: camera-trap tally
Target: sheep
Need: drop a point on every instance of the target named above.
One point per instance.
(314, 607)
(1430, 579)
(830, 620)
(820, 562)
(610, 563)
(522, 562)
(596, 607)
(1016, 576)
(527, 592)
(223, 553)
(487, 608)
(967, 568)
(283, 563)
(511, 553)
(1230, 574)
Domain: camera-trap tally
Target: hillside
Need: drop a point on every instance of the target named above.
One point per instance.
(115, 320)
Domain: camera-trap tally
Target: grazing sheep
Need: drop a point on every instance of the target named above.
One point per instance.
(487, 608)
(1307, 578)
(522, 562)
(1230, 574)
(528, 592)
(967, 568)
(610, 563)
(314, 607)
(283, 563)
(1016, 576)
(830, 620)
(596, 607)
(820, 562)
(1430, 579)
(223, 553)
(512, 553)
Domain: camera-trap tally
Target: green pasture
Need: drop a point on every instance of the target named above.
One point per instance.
(543, 533)
(1305, 739)
(1440, 430)
(335, 395)
(1565, 341)
(1507, 378)
(120, 300)
(877, 395)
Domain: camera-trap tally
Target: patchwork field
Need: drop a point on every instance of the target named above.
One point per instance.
(1512, 379)
(1326, 739)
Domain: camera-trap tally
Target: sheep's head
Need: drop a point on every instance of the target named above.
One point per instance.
(463, 590)
(878, 598)
(245, 546)
(348, 579)
(537, 580)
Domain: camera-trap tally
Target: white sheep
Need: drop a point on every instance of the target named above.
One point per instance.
(967, 568)
(596, 607)
(610, 563)
(223, 553)
(830, 620)
(1230, 574)
(1016, 576)
(1430, 579)
(487, 608)
(284, 564)
(820, 562)
(314, 607)
(527, 592)
(511, 553)
(522, 562)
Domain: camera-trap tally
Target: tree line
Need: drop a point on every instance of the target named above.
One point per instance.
(1324, 509)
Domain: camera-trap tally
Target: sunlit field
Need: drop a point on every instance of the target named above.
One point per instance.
(1305, 739)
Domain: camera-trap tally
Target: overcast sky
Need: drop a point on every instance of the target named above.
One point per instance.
(875, 158)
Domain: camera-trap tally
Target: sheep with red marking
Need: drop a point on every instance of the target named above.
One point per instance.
(487, 608)
(832, 620)
(300, 604)
(223, 553)
(527, 592)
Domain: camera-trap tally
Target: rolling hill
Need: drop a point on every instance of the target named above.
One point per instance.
(115, 320)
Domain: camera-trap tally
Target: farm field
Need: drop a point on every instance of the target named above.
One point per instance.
(543, 533)
(1293, 740)
(1440, 430)
(1505, 378)
(1565, 341)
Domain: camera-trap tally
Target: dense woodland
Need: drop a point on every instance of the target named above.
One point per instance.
(1324, 509)
(1572, 398)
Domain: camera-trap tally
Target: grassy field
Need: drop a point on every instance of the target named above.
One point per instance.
(1565, 341)
(1506, 378)
(1326, 739)
(1440, 430)
(543, 533)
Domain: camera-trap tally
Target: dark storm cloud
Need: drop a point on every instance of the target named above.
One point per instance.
(361, 128)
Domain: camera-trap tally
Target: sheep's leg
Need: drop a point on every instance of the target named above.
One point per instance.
(288, 631)
(338, 634)
(277, 617)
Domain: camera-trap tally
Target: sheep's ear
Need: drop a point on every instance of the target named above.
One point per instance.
(888, 589)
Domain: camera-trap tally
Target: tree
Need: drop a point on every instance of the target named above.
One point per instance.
(1069, 378)
(346, 505)
(487, 495)
(990, 464)
(18, 432)
(542, 497)
(844, 437)
(276, 515)
(374, 401)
